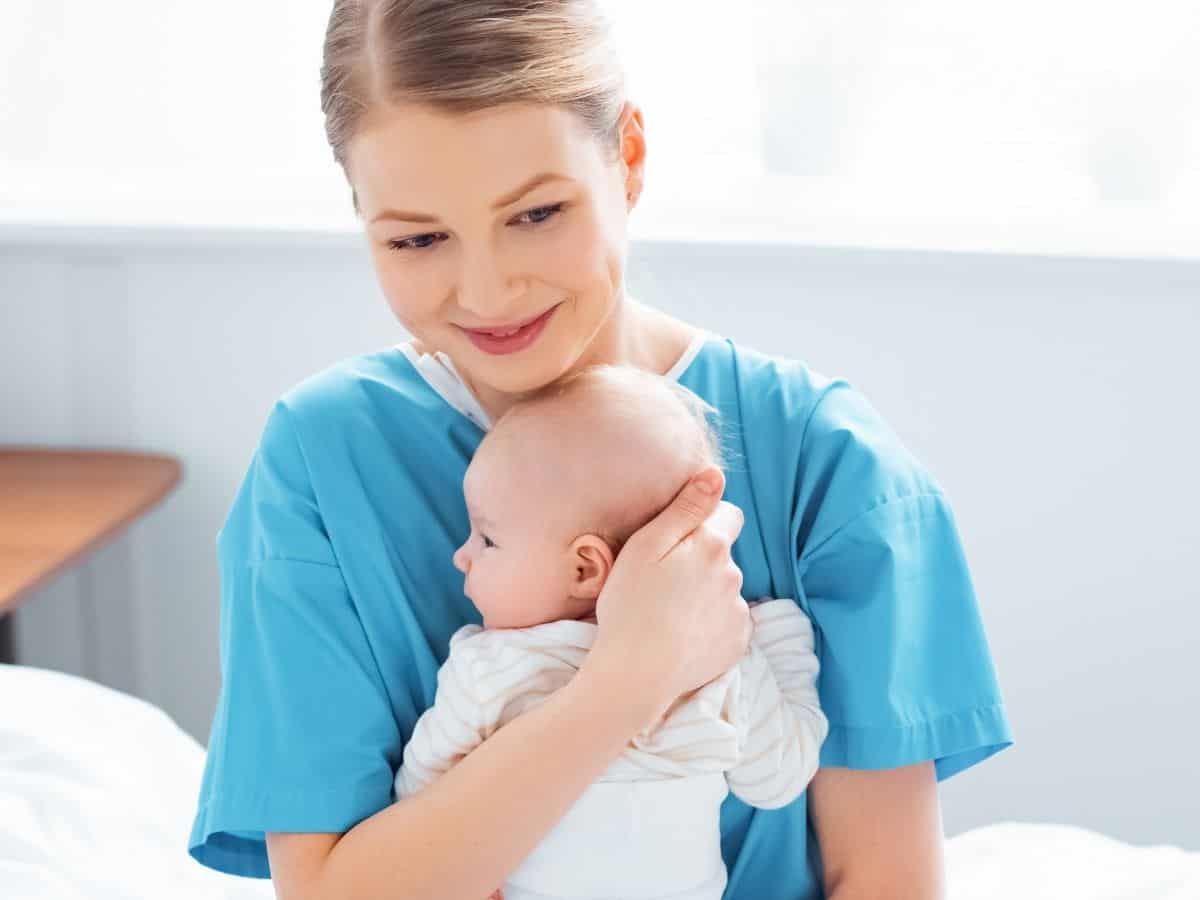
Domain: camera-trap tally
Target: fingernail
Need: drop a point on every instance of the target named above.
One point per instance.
(707, 484)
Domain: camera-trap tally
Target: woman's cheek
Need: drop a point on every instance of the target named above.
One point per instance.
(578, 257)
(412, 293)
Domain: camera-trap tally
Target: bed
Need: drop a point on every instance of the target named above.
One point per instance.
(98, 789)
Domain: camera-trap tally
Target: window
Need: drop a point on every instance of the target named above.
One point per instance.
(1026, 126)
(1066, 127)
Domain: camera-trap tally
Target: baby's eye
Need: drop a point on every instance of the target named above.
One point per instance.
(487, 541)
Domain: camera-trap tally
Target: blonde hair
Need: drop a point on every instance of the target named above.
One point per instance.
(460, 56)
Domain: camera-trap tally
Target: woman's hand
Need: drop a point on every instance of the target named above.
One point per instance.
(671, 617)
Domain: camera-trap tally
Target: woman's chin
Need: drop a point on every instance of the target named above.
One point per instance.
(520, 373)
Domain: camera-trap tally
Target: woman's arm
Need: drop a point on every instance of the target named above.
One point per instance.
(880, 832)
(457, 837)
(671, 618)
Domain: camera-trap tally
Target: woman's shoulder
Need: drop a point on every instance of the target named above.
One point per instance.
(774, 393)
(768, 389)
(370, 401)
(344, 389)
(364, 415)
(816, 436)
(366, 425)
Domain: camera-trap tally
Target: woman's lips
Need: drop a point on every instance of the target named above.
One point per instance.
(502, 330)
(501, 344)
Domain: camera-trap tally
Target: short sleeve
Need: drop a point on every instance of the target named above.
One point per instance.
(303, 737)
(906, 671)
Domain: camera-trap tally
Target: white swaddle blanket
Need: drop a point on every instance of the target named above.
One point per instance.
(756, 730)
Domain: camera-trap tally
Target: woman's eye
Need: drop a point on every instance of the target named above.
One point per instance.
(410, 243)
(551, 211)
(422, 241)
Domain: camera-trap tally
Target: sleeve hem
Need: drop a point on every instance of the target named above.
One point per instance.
(229, 835)
(954, 741)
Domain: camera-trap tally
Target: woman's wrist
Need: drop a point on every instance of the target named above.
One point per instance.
(617, 697)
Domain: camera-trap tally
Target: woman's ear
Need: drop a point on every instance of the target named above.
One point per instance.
(591, 560)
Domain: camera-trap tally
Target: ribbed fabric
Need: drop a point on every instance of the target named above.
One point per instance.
(757, 729)
(760, 722)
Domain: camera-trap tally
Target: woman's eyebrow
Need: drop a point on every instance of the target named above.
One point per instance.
(511, 197)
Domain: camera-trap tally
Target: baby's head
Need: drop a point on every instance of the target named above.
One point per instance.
(564, 478)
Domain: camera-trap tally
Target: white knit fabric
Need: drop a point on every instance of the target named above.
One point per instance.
(440, 373)
(756, 730)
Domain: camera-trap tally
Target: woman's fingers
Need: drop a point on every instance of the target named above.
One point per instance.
(687, 512)
(727, 520)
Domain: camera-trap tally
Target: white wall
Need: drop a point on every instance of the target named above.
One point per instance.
(1054, 399)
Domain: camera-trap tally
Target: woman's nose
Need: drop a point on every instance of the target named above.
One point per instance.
(489, 293)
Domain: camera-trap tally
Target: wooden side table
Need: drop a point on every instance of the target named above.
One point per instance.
(58, 505)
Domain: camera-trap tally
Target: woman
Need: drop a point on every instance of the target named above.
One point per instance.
(494, 159)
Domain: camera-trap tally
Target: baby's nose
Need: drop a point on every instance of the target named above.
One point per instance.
(460, 559)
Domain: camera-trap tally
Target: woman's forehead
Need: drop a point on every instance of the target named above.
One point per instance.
(411, 158)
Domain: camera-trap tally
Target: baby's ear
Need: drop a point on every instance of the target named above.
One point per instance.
(591, 561)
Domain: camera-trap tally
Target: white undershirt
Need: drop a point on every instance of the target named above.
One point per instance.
(439, 372)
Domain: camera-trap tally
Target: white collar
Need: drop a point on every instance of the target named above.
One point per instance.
(439, 372)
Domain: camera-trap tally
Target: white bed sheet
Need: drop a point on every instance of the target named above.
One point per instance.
(98, 790)
(1035, 861)
(97, 794)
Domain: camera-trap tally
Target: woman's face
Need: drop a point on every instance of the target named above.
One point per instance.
(458, 246)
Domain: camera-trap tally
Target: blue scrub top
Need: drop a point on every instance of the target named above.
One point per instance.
(339, 597)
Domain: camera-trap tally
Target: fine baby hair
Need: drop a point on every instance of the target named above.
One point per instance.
(597, 454)
(650, 434)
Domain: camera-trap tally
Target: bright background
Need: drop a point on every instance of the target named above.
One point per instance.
(1060, 127)
(985, 216)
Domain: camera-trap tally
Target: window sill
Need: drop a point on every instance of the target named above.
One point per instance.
(1007, 239)
(165, 209)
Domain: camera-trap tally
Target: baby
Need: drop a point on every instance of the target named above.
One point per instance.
(554, 490)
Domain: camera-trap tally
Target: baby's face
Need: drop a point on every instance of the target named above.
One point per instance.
(518, 558)
(544, 486)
